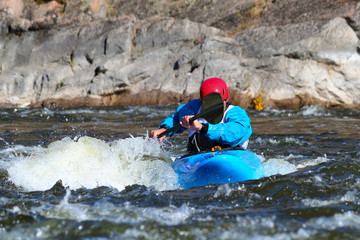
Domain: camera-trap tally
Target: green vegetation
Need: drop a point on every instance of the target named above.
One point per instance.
(110, 11)
(60, 84)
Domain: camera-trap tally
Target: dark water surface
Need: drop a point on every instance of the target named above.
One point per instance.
(90, 173)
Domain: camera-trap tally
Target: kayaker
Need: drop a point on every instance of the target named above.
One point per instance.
(233, 131)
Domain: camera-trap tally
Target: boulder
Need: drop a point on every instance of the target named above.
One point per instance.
(68, 53)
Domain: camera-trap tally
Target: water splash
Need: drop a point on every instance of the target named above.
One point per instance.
(90, 162)
(289, 141)
(283, 165)
(306, 111)
(275, 166)
(314, 110)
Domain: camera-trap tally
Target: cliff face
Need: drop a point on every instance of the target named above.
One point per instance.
(96, 52)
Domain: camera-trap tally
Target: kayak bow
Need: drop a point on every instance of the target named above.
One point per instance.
(218, 168)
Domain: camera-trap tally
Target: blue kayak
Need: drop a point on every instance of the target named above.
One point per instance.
(218, 167)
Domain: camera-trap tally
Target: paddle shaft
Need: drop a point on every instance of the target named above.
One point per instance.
(199, 115)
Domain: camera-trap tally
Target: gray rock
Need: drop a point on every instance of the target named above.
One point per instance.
(292, 58)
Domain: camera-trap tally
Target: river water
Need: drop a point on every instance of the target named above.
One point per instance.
(91, 173)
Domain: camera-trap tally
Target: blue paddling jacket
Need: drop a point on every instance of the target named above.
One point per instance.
(234, 129)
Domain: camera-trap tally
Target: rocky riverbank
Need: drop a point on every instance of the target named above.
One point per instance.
(282, 54)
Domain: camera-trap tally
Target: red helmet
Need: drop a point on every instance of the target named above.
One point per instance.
(214, 85)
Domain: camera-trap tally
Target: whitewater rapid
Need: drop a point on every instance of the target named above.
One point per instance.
(89, 162)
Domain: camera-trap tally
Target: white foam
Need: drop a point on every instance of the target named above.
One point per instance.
(90, 162)
(275, 166)
(350, 196)
(314, 110)
(123, 213)
(223, 190)
(282, 165)
(312, 162)
(275, 142)
(1, 139)
(170, 215)
(295, 141)
(339, 220)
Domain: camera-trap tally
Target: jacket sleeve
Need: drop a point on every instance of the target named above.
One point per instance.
(191, 108)
(235, 130)
(172, 121)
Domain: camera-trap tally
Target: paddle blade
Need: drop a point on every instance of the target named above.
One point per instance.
(216, 115)
(212, 109)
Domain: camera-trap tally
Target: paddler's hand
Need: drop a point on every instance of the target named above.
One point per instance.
(195, 125)
(155, 133)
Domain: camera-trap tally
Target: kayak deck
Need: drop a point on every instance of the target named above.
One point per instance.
(218, 168)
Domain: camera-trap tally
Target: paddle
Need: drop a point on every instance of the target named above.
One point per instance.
(212, 109)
